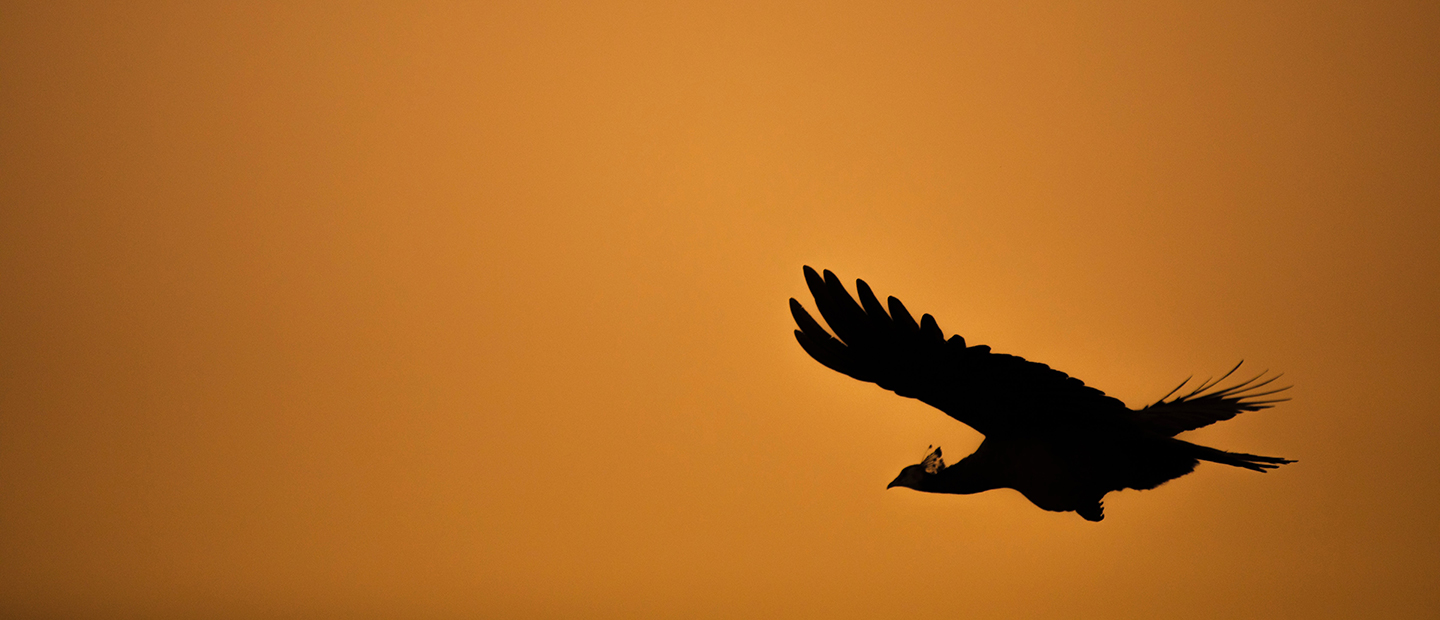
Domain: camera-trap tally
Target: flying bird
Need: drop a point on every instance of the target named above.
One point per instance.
(1060, 443)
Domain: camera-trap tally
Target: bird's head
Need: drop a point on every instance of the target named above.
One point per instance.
(916, 476)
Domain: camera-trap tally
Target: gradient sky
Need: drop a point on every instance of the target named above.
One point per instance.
(479, 310)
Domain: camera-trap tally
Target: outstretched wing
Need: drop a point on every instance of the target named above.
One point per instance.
(1205, 405)
(993, 393)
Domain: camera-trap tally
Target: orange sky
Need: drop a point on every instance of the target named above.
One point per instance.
(459, 312)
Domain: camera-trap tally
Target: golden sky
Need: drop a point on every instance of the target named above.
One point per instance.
(391, 310)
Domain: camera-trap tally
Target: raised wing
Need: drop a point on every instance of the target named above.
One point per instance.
(993, 393)
(1206, 405)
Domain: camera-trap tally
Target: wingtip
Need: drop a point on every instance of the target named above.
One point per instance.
(813, 280)
(803, 319)
(931, 329)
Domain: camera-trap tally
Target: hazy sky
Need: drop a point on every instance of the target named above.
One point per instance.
(479, 310)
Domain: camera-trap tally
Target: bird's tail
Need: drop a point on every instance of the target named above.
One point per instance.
(1253, 462)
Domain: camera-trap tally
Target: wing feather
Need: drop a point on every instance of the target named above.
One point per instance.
(1206, 405)
(993, 393)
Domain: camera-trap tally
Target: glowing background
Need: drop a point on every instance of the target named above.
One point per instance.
(456, 311)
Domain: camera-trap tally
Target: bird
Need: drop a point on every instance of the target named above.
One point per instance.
(1062, 444)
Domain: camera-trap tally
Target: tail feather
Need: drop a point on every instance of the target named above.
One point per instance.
(1253, 462)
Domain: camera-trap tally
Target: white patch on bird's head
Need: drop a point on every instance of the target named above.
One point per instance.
(933, 463)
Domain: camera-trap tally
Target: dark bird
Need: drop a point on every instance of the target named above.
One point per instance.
(1060, 443)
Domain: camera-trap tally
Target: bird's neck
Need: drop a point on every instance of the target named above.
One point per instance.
(970, 475)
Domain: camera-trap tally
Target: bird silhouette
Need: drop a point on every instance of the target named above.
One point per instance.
(1060, 443)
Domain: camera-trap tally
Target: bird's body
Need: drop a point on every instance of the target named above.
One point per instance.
(1062, 444)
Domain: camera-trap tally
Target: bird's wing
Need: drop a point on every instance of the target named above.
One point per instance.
(991, 392)
(1206, 405)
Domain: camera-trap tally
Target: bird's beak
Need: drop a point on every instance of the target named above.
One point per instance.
(893, 483)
